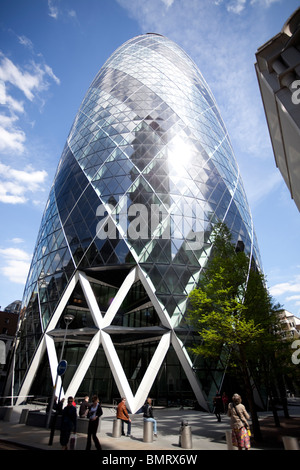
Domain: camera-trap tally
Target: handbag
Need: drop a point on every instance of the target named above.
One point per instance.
(244, 423)
(73, 441)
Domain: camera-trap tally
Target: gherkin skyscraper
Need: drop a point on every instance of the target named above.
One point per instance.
(146, 172)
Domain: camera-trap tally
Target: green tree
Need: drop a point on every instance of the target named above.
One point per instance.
(270, 358)
(233, 312)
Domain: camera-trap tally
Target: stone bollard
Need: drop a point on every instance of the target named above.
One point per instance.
(117, 428)
(290, 443)
(148, 431)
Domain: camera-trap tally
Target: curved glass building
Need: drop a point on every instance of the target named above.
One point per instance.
(146, 172)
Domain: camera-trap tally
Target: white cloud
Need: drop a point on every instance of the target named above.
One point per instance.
(168, 3)
(25, 81)
(16, 184)
(53, 10)
(72, 14)
(286, 287)
(258, 186)
(15, 253)
(287, 291)
(16, 271)
(50, 73)
(25, 42)
(292, 298)
(30, 178)
(11, 138)
(29, 82)
(32, 81)
(59, 12)
(8, 101)
(15, 264)
(264, 3)
(236, 6)
(17, 240)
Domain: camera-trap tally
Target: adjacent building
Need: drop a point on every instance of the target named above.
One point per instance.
(291, 325)
(8, 328)
(146, 172)
(278, 73)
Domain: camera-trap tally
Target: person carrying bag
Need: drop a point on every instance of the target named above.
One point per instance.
(239, 424)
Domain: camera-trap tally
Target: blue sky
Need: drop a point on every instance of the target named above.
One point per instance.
(50, 51)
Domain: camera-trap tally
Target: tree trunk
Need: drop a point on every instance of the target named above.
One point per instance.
(274, 411)
(249, 395)
(282, 393)
(252, 408)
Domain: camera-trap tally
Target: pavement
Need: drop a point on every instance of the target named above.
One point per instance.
(207, 433)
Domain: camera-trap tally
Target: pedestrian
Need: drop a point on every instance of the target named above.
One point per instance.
(68, 423)
(218, 406)
(123, 415)
(239, 423)
(148, 415)
(225, 401)
(94, 413)
(84, 408)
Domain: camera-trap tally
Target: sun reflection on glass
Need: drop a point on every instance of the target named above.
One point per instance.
(179, 154)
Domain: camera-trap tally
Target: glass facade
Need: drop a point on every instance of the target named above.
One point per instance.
(146, 172)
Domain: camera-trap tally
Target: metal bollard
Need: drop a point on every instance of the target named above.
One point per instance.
(148, 431)
(185, 436)
(290, 443)
(117, 428)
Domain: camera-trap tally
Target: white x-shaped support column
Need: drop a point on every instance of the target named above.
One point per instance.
(101, 337)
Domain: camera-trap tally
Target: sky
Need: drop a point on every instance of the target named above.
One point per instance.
(51, 50)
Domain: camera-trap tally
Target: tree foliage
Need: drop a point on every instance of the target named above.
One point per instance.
(232, 310)
(219, 306)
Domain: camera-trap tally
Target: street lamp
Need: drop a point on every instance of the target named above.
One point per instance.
(68, 318)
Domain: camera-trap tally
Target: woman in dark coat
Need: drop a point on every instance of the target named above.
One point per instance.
(94, 413)
(68, 423)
